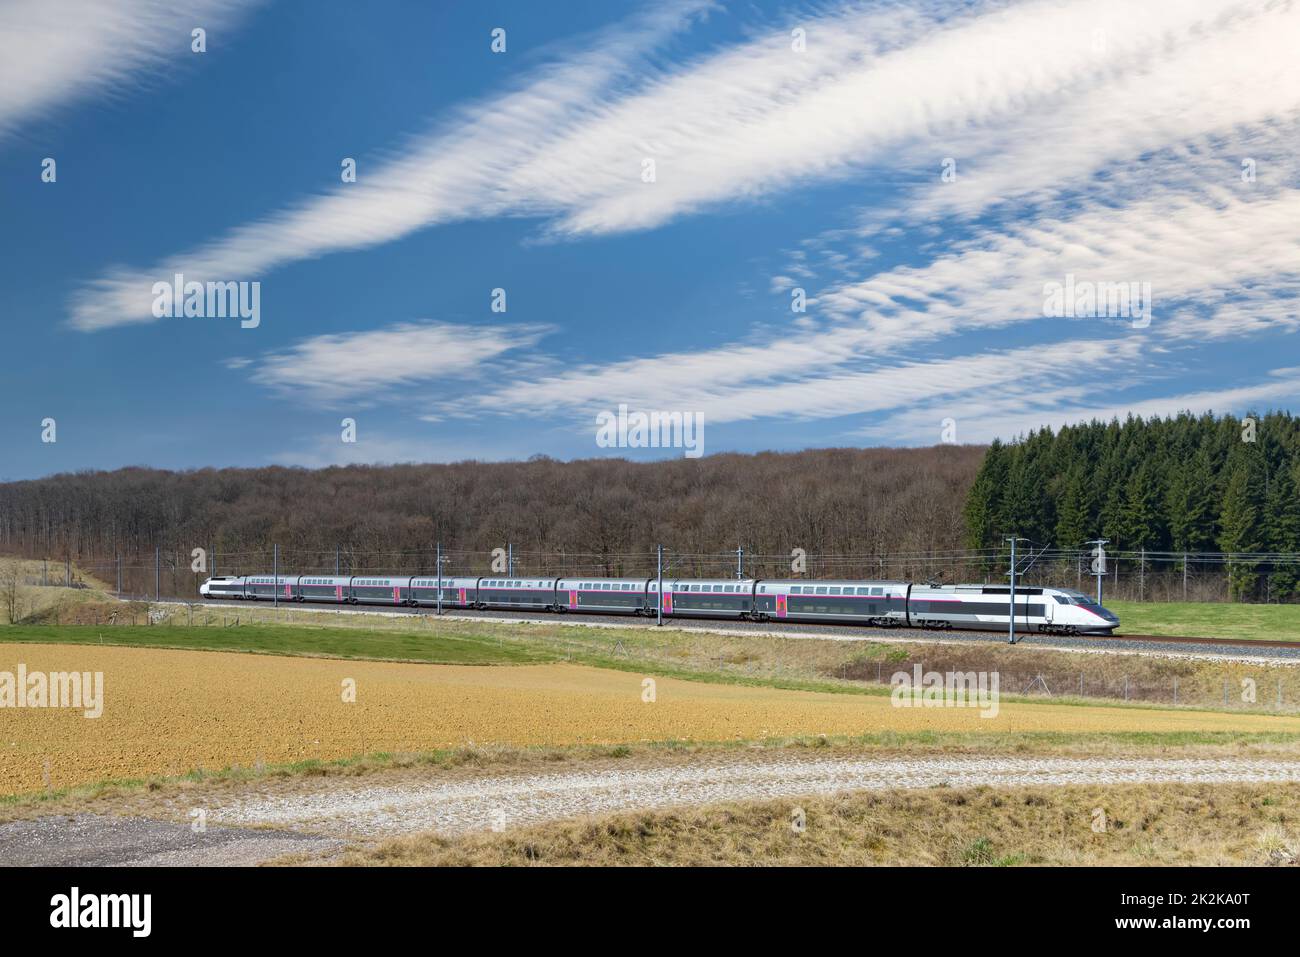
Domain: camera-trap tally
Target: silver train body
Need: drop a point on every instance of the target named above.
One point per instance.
(876, 603)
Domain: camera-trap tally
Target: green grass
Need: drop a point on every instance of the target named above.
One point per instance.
(1208, 619)
(446, 649)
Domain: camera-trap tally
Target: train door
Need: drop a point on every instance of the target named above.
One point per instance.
(780, 606)
(573, 598)
(668, 602)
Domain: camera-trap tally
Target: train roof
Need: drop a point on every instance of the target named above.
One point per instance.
(833, 581)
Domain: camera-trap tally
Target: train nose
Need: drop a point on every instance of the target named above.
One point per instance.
(203, 589)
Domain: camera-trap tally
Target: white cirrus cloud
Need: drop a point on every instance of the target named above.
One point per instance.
(367, 366)
(53, 51)
(757, 118)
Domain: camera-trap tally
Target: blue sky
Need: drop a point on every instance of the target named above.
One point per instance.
(794, 146)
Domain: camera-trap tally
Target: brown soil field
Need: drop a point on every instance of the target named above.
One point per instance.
(169, 712)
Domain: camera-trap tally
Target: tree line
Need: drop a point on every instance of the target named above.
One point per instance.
(1184, 483)
(595, 516)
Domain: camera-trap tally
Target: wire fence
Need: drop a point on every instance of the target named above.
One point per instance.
(1136, 575)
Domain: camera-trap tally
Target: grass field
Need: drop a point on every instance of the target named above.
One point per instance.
(1208, 619)
(445, 646)
(1075, 825)
(166, 712)
(861, 667)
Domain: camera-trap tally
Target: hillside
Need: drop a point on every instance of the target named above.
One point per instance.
(602, 515)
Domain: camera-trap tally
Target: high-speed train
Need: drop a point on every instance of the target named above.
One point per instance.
(877, 603)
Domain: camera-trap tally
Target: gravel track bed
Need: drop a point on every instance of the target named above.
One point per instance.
(358, 810)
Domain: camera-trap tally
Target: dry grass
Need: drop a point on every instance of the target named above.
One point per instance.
(1139, 825)
(53, 601)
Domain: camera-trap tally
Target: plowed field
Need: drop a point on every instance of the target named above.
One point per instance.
(168, 712)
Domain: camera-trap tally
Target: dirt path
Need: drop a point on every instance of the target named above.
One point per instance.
(256, 821)
(360, 809)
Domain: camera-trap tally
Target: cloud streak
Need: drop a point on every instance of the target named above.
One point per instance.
(53, 52)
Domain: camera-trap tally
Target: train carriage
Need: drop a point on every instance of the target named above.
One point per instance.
(709, 598)
(627, 596)
(881, 603)
(457, 592)
(500, 591)
(331, 588)
(265, 587)
(380, 590)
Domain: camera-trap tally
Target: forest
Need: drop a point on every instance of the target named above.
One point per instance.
(595, 516)
(1173, 495)
(1158, 487)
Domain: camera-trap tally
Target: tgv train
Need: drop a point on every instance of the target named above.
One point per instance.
(878, 603)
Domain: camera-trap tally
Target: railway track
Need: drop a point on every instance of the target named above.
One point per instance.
(1131, 644)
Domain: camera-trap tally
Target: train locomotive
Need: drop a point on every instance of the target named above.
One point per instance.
(873, 603)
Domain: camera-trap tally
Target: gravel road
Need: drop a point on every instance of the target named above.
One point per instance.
(95, 840)
(356, 809)
(316, 816)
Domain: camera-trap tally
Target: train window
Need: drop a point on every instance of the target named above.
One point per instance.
(821, 589)
(717, 588)
(834, 590)
(877, 591)
(796, 589)
(1062, 599)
